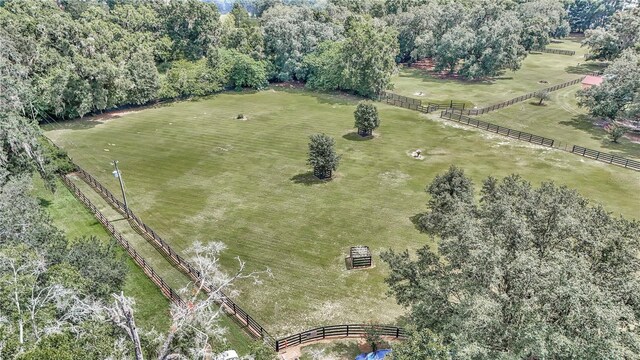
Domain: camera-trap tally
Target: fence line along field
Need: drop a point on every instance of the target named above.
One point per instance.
(193, 171)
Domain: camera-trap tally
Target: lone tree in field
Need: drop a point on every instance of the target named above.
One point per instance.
(542, 96)
(322, 155)
(616, 132)
(521, 273)
(366, 116)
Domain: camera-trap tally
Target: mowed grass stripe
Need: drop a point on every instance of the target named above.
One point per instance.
(254, 199)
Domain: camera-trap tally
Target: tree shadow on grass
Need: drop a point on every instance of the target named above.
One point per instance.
(353, 136)
(585, 124)
(308, 179)
(44, 202)
(584, 69)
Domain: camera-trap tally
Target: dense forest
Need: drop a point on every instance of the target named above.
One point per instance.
(83, 56)
(65, 59)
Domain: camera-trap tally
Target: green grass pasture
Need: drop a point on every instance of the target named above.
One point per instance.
(194, 172)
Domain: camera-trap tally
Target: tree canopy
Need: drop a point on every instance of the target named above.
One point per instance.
(618, 97)
(322, 153)
(366, 116)
(522, 272)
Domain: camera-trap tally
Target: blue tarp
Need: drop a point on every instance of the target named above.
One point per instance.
(378, 355)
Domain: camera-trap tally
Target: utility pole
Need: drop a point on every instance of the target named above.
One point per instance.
(118, 175)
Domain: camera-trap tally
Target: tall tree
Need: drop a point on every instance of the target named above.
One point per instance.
(290, 32)
(618, 97)
(194, 27)
(524, 273)
(322, 155)
(368, 56)
(607, 43)
(366, 118)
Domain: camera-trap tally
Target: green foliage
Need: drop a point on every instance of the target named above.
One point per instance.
(373, 337)
(451, 192)
(617, 96)
(100, 264)
(616, 132)
(541, 95)
(524, 273)
(608, 43)
(540, 20)
(423, 344)
(56, 159)
(321, 69)
(291, 32)
(322, 154)
(261, 351)
(589, 14)
(476, 39)
(366, 116)
(186, 78)
(248, 73)
(192, 25)
(368, 56)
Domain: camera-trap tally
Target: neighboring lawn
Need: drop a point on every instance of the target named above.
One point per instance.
(69, 215)
(554, 69)
(561, 119)
(194, 172)
(151, 307)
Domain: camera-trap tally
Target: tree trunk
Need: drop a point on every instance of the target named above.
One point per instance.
(134, 335)
(164, 352)
(540, 103)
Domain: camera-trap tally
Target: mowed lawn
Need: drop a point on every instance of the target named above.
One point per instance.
(537, 68)
(195, 173)
(561, 118)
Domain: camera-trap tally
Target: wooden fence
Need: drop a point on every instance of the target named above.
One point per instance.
(338, 331)
(607, 158)
(518, 99)
(252, 326)
(415, 104)
(520, 135)
(148, 270)
(540, 140)
(554, 51)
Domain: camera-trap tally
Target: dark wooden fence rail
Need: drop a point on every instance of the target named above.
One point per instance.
(415, 104)
(254, 328)
(338, 331)
(554, 51)
(520, 135)
(518, 99)
(148, 270)
(607, 158)
(540, 140)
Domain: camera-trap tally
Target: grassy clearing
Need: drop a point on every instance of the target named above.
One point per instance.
(552, 68)
(560, 118)
(194, 172)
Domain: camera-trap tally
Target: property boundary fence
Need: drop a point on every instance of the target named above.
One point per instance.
(338, 331)
(518, 99)
(148, 270)
(415, 104)
(253, 327)
(554, 51)
(540, 140)
(520, 135)
(607, 158)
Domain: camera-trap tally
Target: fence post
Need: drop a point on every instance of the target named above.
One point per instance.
(347, 330)
(323, 332)
(397, 332)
